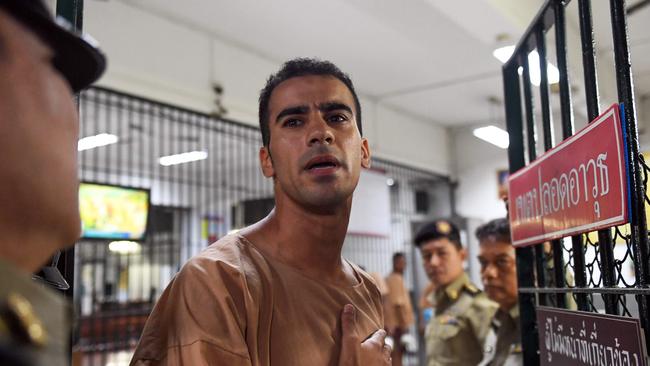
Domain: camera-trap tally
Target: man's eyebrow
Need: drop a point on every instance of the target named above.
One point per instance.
(333, 106)
(301, 109)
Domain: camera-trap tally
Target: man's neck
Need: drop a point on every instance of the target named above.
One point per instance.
(506, 308)
(310, 242)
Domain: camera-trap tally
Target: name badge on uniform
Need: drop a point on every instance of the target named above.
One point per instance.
(448, 319)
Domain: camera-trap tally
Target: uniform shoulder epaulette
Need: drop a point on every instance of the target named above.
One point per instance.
(472, 290)
(19, 318)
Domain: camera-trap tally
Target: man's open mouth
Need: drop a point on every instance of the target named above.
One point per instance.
(322, 162)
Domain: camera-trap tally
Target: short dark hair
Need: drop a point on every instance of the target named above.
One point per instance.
(295, 68)
(437, 230)
(398, 255)
(495, 230)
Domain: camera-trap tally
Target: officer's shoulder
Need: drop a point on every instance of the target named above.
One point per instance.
(20, 301)
(33, 318)
(479, 298)
(471, 289)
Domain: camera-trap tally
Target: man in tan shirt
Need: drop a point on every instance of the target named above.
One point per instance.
(278, 292)
(398, 311)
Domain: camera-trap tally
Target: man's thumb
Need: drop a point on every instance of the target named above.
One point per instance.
(348, 321)
(349, 337)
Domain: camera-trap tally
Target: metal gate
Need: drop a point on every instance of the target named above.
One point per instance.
(604, 271)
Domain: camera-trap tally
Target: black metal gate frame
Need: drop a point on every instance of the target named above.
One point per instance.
(533, 289)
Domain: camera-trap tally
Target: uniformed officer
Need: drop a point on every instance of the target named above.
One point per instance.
(41, 65)
(456, 334)
(499, 277)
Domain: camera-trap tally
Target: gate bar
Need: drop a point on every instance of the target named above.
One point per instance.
(638, 218)
(525, 274)
(567, 130)
(605, 242)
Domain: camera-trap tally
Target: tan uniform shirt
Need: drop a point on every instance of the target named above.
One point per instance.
(504, 341)
(398, 311)
(456, 335)
(231, 305)
(34, 320)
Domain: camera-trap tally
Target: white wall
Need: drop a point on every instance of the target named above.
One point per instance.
(475, 169)
(171, 62)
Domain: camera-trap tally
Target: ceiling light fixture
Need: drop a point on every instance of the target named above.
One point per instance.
(186, 157)
(503, 54)
(92, 142)
(493, 135)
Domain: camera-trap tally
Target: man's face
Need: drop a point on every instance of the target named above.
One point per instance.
(38, 139)
(499, 272)
(400, 264)
(315, 152)
(443, 261)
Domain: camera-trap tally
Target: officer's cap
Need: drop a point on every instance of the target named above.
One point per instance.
(436, 230)
(76, 55)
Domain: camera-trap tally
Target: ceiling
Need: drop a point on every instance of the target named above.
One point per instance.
(429, 58)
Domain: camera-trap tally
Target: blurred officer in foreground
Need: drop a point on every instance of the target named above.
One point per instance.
(456, 334)
(41, 66)
(499, 276)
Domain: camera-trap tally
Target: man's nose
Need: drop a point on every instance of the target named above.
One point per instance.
(489, 271)
(321, 132)
(434, 261)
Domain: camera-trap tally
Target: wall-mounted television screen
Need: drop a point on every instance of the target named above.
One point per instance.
(113, 212)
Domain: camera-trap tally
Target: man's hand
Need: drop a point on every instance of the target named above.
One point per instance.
(372, 352)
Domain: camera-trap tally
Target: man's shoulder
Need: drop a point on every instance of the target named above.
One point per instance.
(230, 256)
(368, 280)
(482, 304)
(471, 302)
(33, 319)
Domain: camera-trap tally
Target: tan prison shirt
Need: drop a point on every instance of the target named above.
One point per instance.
(232, 305)
(398, 310)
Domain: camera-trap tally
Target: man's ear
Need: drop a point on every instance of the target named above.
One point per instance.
(463, 254)
(365, 153)
(266, 162)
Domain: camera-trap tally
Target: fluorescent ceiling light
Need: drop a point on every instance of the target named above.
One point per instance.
(186, 157)
(493, 135)
(124, 247)
(92, 142)
(503, 54)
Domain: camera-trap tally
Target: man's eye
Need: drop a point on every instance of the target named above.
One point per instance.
(503, 263)
(292, 122)
(336, 118)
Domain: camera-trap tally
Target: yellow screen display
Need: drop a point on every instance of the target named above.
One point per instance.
(111, 212)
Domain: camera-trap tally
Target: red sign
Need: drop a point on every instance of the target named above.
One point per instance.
(576, 187)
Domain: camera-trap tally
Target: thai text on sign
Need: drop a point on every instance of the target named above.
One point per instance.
(578, 186)
(582, 338)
